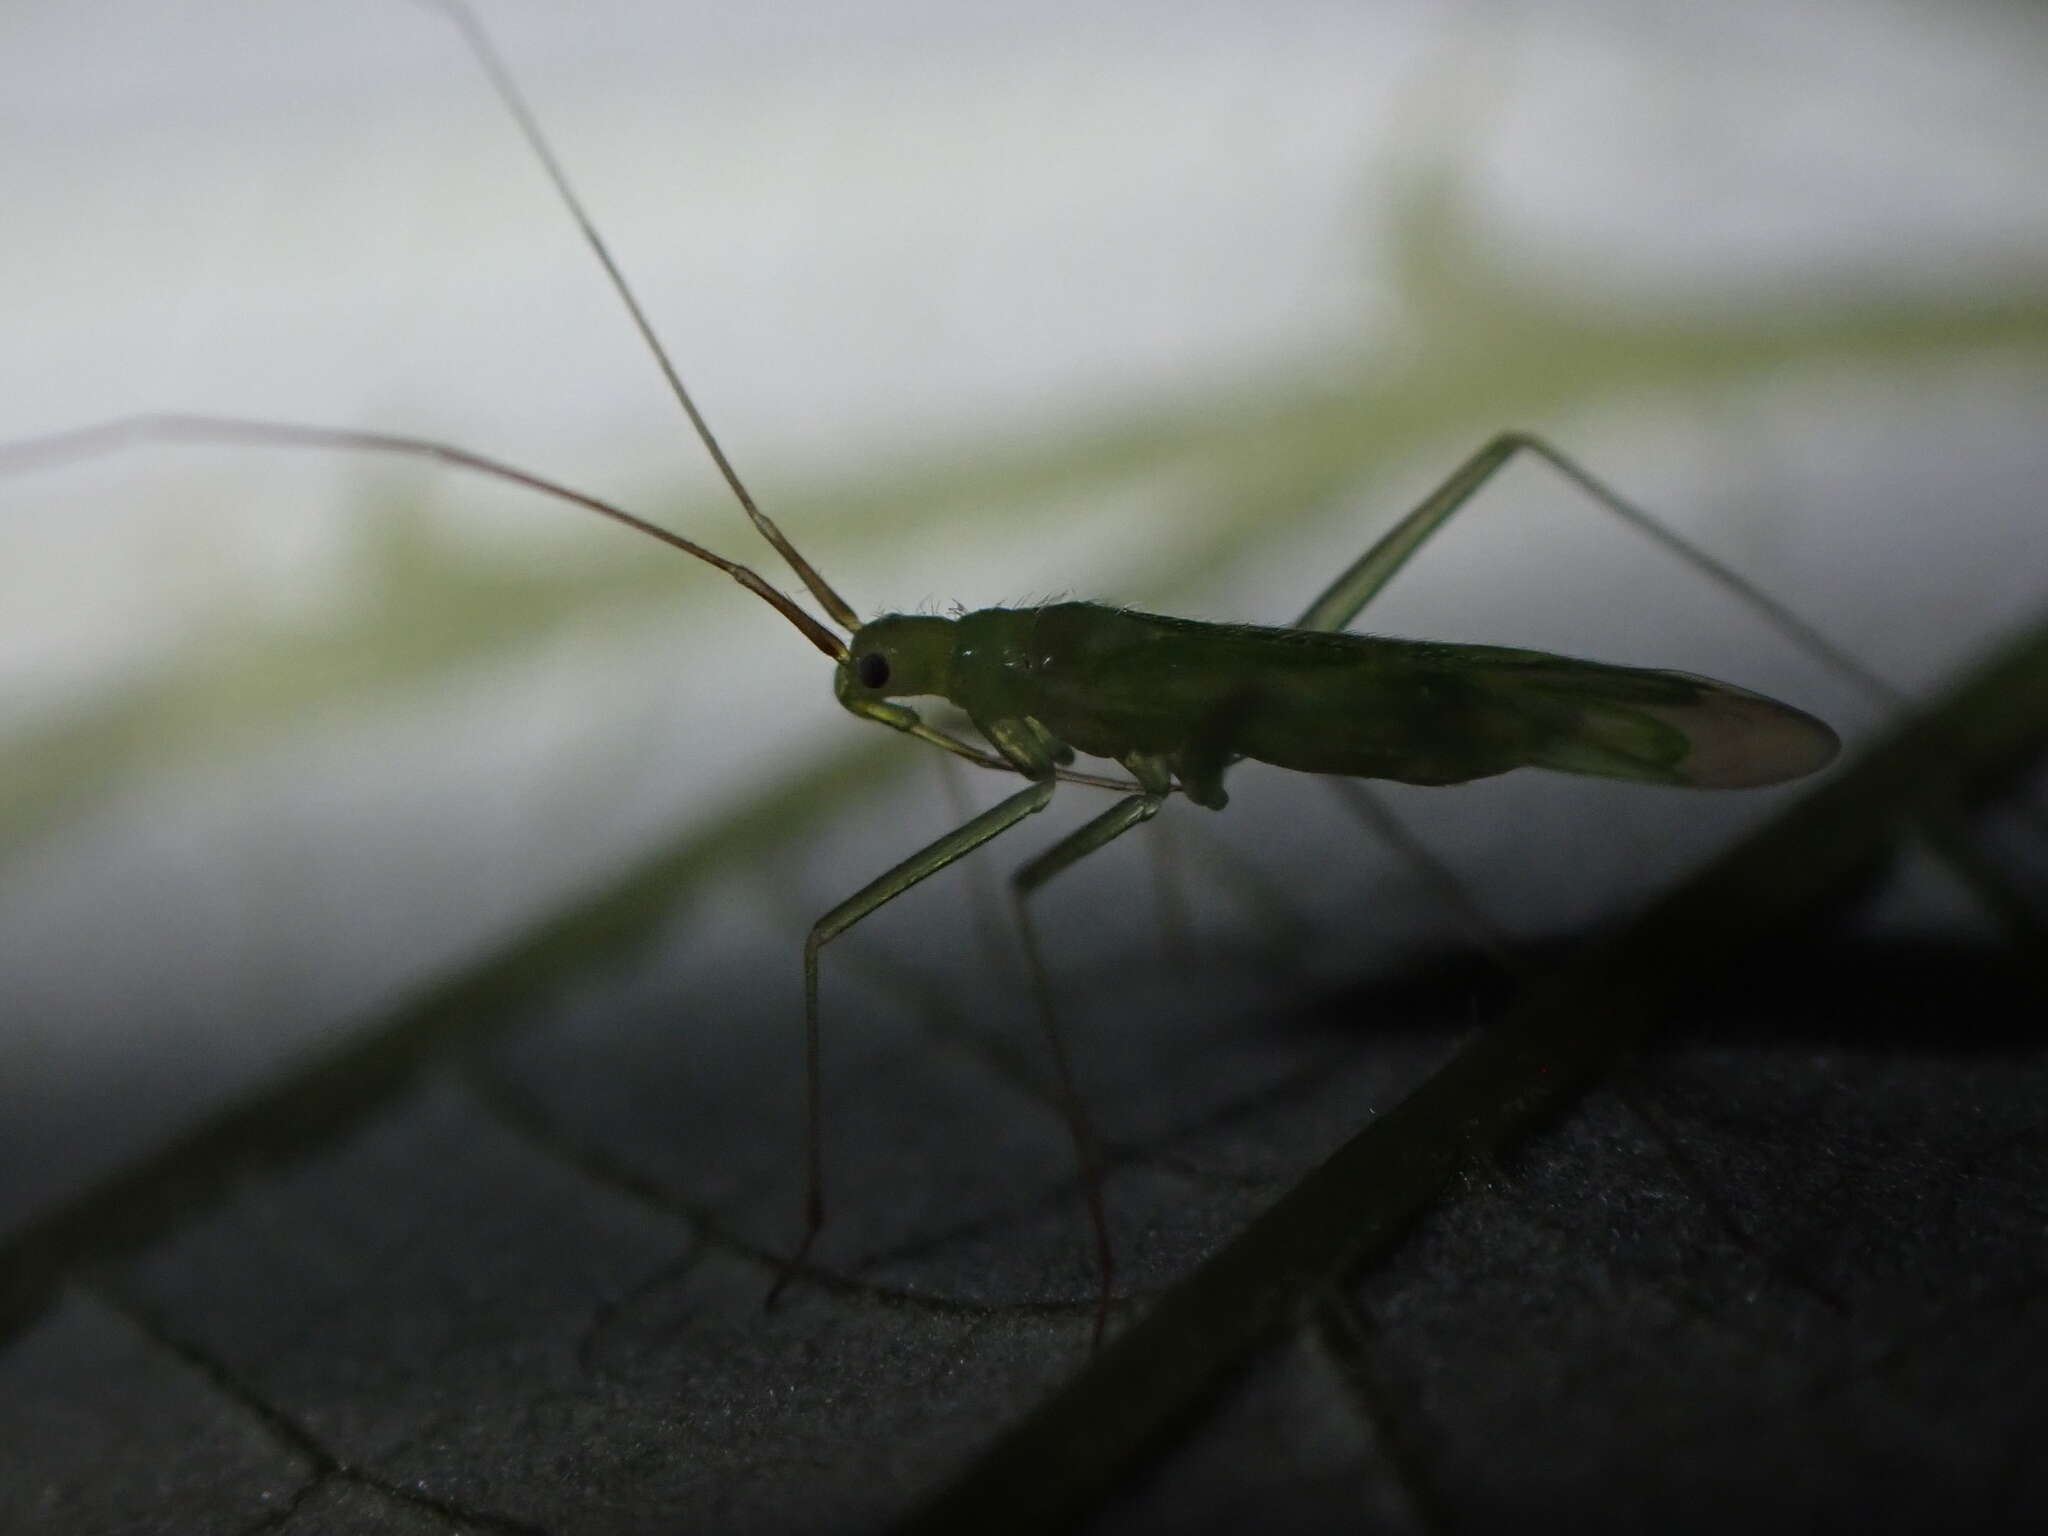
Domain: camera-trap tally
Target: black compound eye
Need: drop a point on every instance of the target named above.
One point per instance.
(872, 670)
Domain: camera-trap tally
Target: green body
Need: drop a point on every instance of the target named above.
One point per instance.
(1196, 697)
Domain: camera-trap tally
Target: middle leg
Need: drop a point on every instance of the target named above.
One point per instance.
(1133, 810)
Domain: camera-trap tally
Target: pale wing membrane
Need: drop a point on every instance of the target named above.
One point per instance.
(1657, 727)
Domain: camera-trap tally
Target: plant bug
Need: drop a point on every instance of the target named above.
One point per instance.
(1176, 703)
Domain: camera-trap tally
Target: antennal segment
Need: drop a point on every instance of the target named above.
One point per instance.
(515, 102)
(65, 447)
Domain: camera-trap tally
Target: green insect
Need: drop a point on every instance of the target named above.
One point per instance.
(1172, 701)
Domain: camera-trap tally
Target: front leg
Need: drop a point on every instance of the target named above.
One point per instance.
(869, 899)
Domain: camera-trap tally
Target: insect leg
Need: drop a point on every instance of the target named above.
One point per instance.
(1342, 600)
(989, 930)
(870, 898)
(1068, 851)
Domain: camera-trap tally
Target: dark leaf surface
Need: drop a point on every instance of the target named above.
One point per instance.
(1788, 1260)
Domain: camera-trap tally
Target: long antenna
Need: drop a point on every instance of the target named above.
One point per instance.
(84, 442)
(515, 102)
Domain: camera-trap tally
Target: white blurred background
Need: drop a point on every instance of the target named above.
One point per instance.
(1169, 304)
